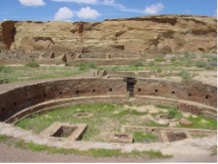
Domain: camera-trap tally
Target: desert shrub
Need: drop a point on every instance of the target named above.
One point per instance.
(3, 81)
(32, 64)
(185, 75)
(92, 65)
(159, 59)
(210, 66)
(82, 66)
(138, 64)
(171, 114)
(200, 64)
(159, 70)
(151, 64)
(173, 59)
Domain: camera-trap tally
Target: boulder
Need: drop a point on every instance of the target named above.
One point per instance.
(185, 122)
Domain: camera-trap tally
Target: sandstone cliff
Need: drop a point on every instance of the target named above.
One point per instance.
(162, 34)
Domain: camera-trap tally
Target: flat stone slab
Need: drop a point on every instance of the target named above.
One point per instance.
(185, 122)
(83, 114)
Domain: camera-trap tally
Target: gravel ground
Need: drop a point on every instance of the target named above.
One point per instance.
(12, 154)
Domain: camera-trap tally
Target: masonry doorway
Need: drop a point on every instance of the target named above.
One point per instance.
(130, 85)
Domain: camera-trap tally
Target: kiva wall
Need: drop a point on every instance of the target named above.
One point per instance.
(16, 99)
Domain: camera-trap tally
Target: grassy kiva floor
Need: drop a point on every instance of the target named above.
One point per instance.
(106, 118)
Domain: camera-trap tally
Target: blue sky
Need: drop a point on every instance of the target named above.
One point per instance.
(97, 10)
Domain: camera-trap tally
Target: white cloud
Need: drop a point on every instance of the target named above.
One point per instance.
(154, 9)
(79, 1)
(88, 13)
(32, 2)
(64, 13)
(111, 3)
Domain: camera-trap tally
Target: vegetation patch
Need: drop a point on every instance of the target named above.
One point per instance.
(202, 122)
(159, 59)
(20, 73)
(32, 64)
(107, 118)
(97, 153)
(3, 138)
(185, 75)
(174, 113)
(144, 137)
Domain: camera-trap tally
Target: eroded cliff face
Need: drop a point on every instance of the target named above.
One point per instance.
(164, 34)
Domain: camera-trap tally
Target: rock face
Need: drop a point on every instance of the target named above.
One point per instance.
(8, 32)
(163, 34)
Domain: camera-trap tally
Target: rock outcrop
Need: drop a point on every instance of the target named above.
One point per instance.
(164, 34)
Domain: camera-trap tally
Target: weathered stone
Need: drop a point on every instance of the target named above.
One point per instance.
(163, 122)
(185, 122)
(186, 115)
(114, 35)
(153, 111)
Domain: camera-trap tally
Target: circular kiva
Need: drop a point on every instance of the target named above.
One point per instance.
(20, 101)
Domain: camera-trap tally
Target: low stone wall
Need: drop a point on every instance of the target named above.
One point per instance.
(116, 99)
(112, 61)
(17, 98)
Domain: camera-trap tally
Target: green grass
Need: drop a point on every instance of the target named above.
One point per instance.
(142, 137)
(16, 74)
(32, 72)
(103, 116)
(3, 138)
(104, 119)
(96, 153)
(151, 154)
(199, 122)
(100, 111)
(138, 64)
(32, 64)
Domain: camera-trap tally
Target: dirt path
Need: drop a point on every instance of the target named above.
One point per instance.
(12, 154)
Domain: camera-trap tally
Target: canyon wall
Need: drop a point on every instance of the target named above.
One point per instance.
(155, 34)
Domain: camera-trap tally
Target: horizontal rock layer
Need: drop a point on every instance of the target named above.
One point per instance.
(162, 34)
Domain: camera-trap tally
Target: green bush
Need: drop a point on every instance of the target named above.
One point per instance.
(92, 65)
(159, 59)
(171, 114)
(151, 64)
(200, 64)
(82, 66)
(174, 113)
(159, 70)
(173, 59)
(138, 64)
(32, 64)
(3, 81)
(185, 75)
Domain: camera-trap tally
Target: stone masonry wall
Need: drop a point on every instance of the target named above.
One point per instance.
(18, 98)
